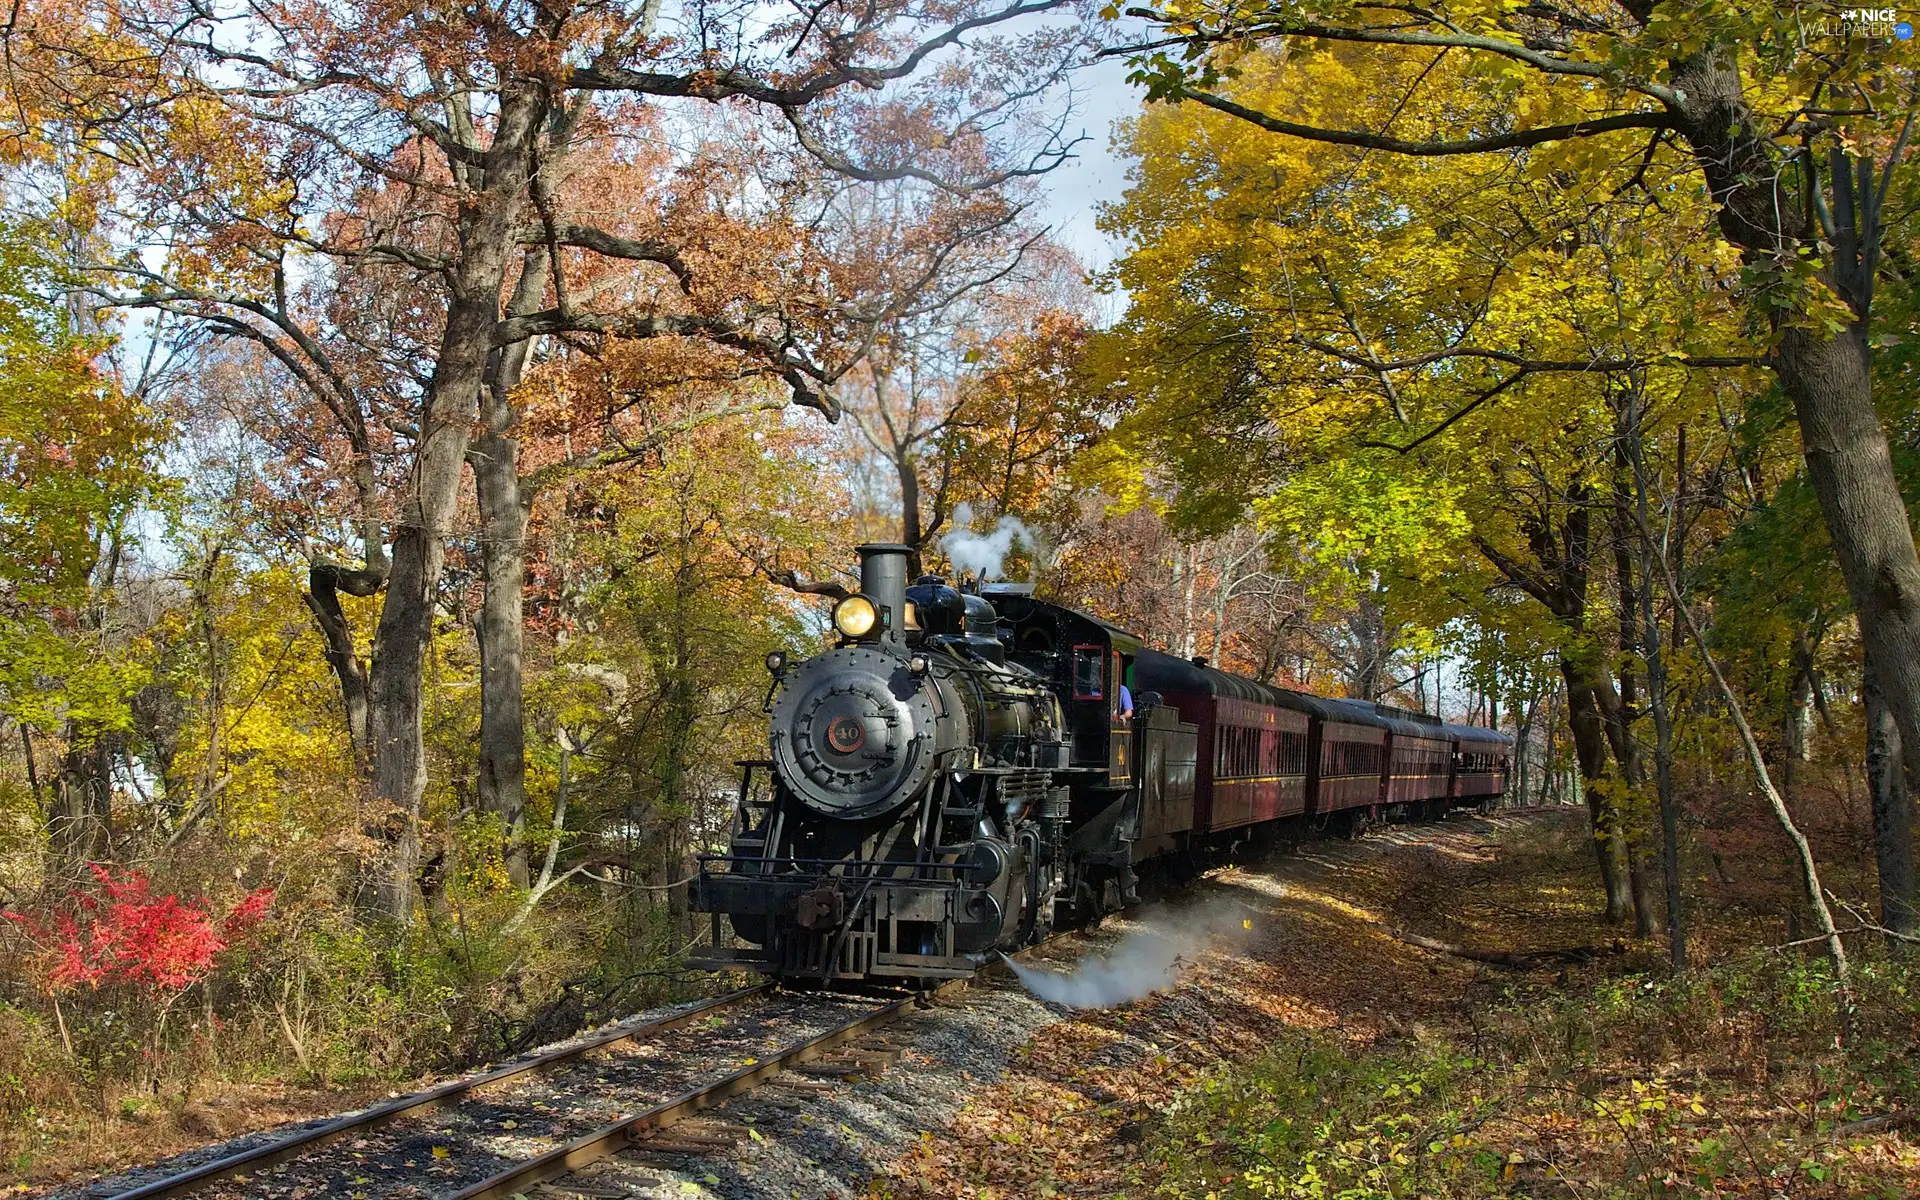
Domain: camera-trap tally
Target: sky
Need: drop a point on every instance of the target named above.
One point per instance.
(1075, 189)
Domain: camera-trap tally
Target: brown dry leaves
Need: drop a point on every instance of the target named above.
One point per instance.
(1712, 1090)
(1068, 1118)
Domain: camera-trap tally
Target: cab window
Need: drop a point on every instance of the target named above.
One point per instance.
(1088, 677)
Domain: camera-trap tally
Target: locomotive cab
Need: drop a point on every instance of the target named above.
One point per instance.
(1087, 661)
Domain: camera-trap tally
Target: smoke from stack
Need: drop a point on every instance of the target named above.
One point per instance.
(984, 554)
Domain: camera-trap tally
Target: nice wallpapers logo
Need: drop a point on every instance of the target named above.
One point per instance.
(1885, 23)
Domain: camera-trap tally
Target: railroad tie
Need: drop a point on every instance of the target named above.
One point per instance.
(828, 1070)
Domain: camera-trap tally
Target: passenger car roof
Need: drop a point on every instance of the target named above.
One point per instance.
(1154, 670)
(1479, 733)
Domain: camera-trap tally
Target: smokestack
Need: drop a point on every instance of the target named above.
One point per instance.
(883, 580)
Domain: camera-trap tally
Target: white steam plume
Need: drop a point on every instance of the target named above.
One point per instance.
(1143, 963)
(1147, 960)
(983, 553)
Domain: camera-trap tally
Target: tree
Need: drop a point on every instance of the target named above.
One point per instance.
(244, 132)
(1031, 410)
(661, 685)
(75, 464)
(966, 394)
(1310, 335)
(1793, 129)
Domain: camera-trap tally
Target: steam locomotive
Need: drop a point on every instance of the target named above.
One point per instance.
(960, 775)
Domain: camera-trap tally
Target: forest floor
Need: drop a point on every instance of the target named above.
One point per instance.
(1315, 1051)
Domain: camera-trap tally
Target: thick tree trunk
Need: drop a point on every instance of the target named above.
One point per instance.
(396, 715)
(1368, 624)
(503, 741)
(505, 503)
(912, 530)
(80, 817)
(1828, 379)
(1621, 717)
(1892, 813)
(1851, 468)
(489, 237)
(1622, 789)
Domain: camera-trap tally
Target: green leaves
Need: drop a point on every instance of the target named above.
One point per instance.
(75, 461)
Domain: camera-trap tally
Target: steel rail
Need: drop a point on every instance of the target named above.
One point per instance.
(266, 1155)
(628, 1131)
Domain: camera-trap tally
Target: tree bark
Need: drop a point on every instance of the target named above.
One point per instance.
(1649, 638)
(1663, 781)
(325, 581)
(1560, 539)
(1368, 624)
(1590, 750)
(1626, 746)
(80, 814)
(912, 532)
(506, 505)
(1892, 813)
(489, 235)
(1828, 378)
(1851, 468)
(1550, 770)
(502, 779)
(80, 818)
(216, 716)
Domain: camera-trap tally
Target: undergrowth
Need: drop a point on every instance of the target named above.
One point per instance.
(1728, 1082)
(317, 1010)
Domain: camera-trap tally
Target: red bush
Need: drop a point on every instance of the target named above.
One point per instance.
(126, 934)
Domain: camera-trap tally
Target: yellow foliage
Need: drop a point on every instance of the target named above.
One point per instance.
(274, 751)
(1400, 361)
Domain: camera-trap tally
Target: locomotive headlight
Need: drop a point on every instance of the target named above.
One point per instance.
(855, 616)
(776, 661)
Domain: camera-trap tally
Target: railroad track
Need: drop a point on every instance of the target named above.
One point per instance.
(502, 1132)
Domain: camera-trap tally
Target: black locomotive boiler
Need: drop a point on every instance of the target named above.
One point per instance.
(964, 772)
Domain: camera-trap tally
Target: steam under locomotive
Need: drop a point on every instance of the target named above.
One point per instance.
(959, 775)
